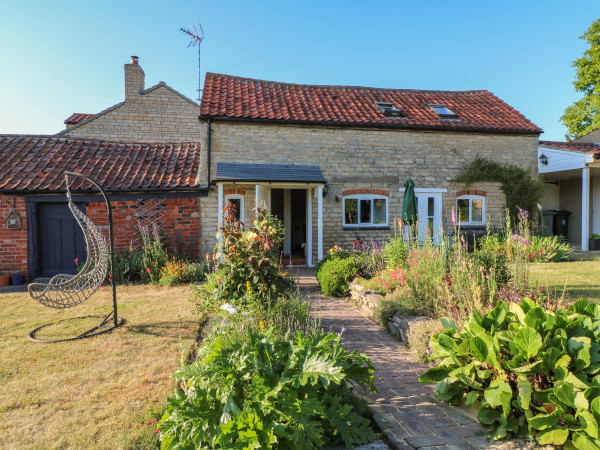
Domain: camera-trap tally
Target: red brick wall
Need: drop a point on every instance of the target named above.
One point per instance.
(13, 243)
(181, 219)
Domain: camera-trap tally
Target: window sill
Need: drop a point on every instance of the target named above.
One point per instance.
(366, 227)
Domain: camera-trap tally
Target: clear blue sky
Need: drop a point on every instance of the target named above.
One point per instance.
(60, 57)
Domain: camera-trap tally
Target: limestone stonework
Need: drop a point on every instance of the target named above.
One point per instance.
(158, 114)
(364, 159)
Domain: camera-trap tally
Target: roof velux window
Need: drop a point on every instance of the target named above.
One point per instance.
(388, 109)
(443, 111)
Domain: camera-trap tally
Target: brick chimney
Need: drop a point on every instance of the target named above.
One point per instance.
(134, 80)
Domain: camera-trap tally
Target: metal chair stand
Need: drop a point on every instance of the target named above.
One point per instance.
(65, 291)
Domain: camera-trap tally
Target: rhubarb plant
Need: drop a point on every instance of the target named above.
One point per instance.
(529, 370)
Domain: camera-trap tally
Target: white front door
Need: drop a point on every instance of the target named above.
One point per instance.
(429, 210)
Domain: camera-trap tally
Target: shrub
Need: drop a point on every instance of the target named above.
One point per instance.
(335, 276)
(332, 256)
(128, 266)
(179, 271)
(154, 255)
(531, 370)
(549, 249)
(369, 259)
(247, 273)
(260, 391)
(396, 252)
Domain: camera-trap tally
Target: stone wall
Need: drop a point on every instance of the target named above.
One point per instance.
(13, 242)
(157, 114)
(359, 158)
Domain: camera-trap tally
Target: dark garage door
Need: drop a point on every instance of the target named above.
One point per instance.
(60, 240)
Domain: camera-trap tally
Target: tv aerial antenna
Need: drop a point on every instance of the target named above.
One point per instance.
(196, 35)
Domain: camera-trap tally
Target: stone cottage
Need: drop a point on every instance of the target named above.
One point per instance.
(331, 161)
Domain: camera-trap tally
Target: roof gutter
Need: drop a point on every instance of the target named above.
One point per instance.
(201, 191)
(365, 125)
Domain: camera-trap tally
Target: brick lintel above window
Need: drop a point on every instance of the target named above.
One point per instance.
(366, 191)
(471, 192)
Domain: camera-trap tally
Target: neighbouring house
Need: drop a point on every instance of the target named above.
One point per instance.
(147, 183)
(156, 114)
(572, 173)
(331, 161)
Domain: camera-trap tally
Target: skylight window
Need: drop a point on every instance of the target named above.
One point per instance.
(388, 109)
(443, 111)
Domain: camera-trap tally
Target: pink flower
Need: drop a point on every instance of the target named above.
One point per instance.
(148, 269)
(453, 217)
(76, 260)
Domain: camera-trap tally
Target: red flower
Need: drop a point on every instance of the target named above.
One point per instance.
(76, 260)
(148, 269)
(152, 420)
(218, 281)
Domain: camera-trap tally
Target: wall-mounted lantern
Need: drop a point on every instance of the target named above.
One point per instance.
(13, 221)
(543, 159)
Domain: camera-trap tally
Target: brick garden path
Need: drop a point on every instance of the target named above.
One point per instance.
(405, 409)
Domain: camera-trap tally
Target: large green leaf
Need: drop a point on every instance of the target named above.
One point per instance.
(528, 341)
(434, 375)
(588, 423)
(447, 343)
(564, 393)
(472, 397)
(536, 318)
(499, 394)
(543, 421)
(488, 416)
(448, 324)
(583, 442)
(553, 436)
(524, 387)
(517, 311)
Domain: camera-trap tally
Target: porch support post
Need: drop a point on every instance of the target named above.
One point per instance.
(256, 196)
(219, 207)
(287, 221)
(319, 223)
(309, 227)
(585, 208)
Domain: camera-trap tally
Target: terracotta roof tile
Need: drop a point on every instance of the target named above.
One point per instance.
(246, 98)
(38, 163)
(77, 117)
(585, 147)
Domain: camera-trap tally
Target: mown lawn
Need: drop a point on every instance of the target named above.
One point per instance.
(97, 392)
(579, 276)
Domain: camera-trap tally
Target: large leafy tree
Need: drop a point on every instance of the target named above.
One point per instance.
(584, 115)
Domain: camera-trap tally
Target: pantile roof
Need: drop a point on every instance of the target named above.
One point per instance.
(585, 147)
(32, 163)
(76, 118)
(232, 97)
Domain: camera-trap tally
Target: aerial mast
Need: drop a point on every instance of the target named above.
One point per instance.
(196, 35)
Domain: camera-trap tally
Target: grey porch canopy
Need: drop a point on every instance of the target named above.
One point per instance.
(269, 172)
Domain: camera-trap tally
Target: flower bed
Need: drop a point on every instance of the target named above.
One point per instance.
(265, 375)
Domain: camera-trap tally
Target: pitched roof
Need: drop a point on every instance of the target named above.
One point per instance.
(76, 118)
(232, 97)
(269, 172)
(89, 117)
(585, 147)
(31, 163)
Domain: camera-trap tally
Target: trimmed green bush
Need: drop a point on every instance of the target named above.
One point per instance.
(336, 255)
(335, 276)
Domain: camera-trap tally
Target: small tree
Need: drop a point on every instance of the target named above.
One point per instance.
(584, 115)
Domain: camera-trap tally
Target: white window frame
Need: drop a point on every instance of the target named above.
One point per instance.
(471, 198)
(236, 197)
(360, 197)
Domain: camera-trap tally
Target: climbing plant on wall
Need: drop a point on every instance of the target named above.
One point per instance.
(521, 189)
